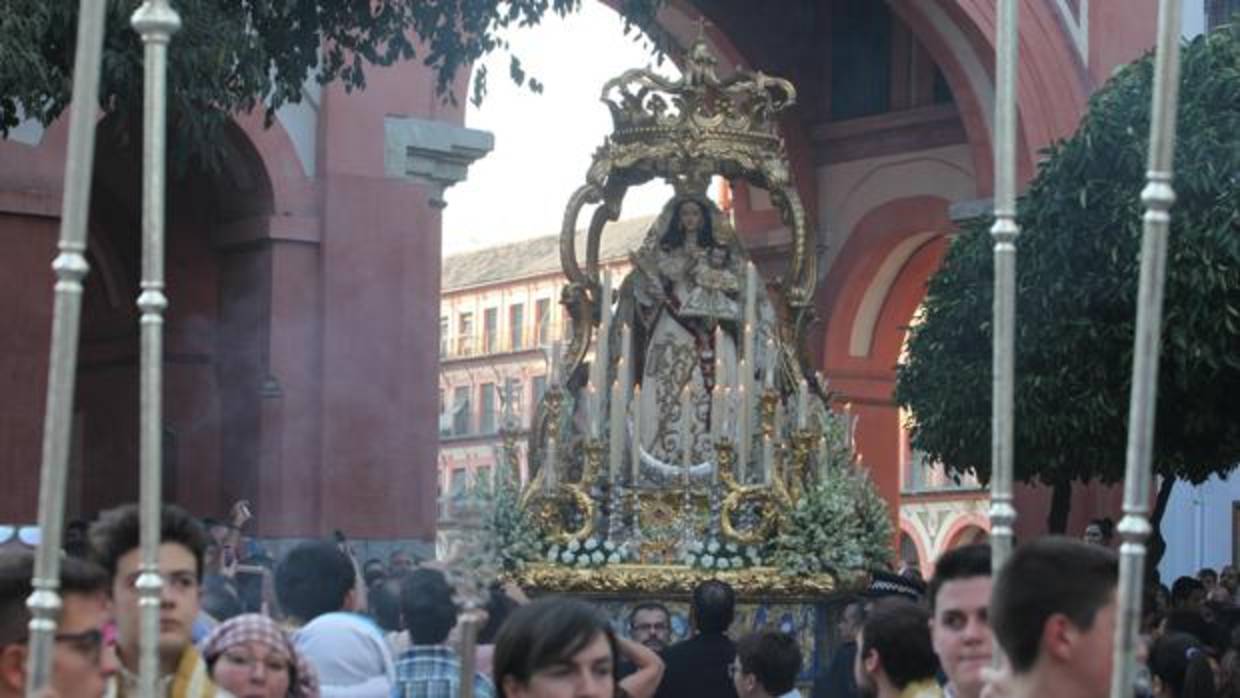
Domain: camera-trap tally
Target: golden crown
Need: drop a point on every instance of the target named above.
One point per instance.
(661, 125)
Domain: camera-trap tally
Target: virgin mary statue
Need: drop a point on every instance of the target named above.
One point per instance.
(683, 300)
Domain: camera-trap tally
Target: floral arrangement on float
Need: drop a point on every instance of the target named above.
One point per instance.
(588, 554)
(839, 525)
(722, 556)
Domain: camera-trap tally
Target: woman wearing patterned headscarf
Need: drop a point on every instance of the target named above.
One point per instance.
(251, 657)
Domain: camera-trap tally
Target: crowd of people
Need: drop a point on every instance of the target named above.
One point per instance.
(318, 623)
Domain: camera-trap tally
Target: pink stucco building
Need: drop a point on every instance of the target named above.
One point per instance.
(304, 336)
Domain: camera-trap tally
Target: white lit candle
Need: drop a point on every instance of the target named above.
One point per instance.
(742, 424)
(593, 411)
(555, 364)
(624, 371)
(802, 404)
(686, 433)
(751, 307)
(616, 437)
(716, 412)
(602, 358)
(718, 349)
(549, 462)
(636, 444)
(768, 380)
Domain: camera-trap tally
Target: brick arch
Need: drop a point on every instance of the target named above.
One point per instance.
(292, 191)
(924, 561)
(1053, 82)
(951, 539)
(878, 234)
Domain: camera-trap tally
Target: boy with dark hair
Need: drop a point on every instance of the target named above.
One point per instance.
(79, 666)
(1187, 593)
(699, 666)
(114, 541)
(429, 667)
(1053, 611)
(316, 578)
(1208, 577)
(766, 665)
(959, 596)
(894, 654)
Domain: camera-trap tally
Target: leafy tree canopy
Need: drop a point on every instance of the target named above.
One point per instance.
(1077, 277)
(233, 56)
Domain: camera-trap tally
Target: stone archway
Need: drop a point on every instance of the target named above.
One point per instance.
(197, 412)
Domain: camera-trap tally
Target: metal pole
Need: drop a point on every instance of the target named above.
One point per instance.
(155, 21)
(1158, 196)
(70, 267)
(1004, 231)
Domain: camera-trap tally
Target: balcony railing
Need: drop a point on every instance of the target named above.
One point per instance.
(483, 344)
(923, 475)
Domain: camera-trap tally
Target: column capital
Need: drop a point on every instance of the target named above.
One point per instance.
(431, 152)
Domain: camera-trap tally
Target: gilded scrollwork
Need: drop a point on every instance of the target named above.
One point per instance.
(674, 580)
(757, 502)
(556, 511)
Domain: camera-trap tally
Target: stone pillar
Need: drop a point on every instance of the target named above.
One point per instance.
(380, 304)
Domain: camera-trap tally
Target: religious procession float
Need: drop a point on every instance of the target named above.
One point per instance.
(683, 436)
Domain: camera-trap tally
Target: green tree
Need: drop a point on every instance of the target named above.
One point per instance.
(234, 56)
(1077, 281)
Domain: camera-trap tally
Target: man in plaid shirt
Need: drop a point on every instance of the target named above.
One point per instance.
(431, 669)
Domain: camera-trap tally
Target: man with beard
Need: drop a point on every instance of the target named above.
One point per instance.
(960, 626)
(894, 655)
(650, 624)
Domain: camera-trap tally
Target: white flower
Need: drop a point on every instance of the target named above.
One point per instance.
(591, 543)
(696, 546)
(598, 558)
(708, 561)
(713, 546)
(752, 552)
(554, 552)
(574, 545)
(551, 556)
(723, 563)
(608, 546)
(730, 547)
(582, 561)
(566, 557)
(613, 559)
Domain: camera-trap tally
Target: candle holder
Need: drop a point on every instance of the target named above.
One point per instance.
(797, 467)
(767, 406)
(593, 462)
